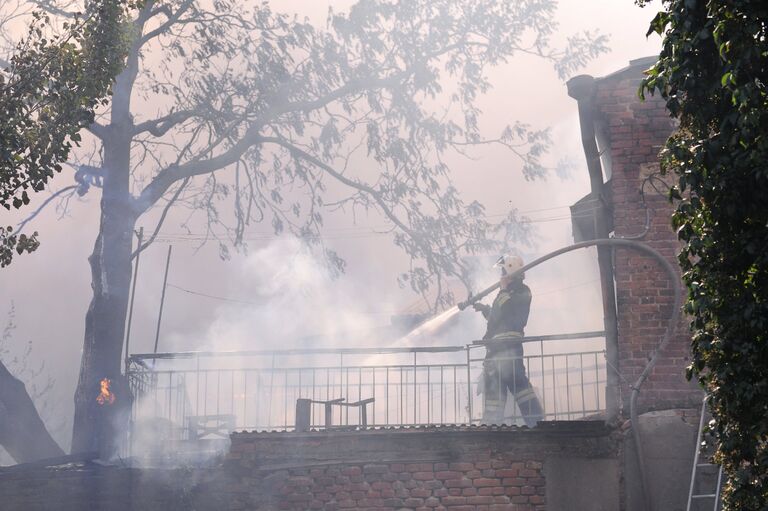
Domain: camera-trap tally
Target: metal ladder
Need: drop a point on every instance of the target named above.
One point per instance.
(695, 472)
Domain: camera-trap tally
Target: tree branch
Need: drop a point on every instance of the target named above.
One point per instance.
(97, 130)
(167, 207)
(160, 126)
(47, 201)
(166, 177)
(169, 175)
(51, 7)
(296, 152)
(172, 19)
(352, 87)
(161, 9)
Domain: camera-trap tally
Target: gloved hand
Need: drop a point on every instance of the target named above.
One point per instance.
(480, 307)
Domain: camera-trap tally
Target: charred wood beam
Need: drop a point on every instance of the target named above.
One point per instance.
(582, 88)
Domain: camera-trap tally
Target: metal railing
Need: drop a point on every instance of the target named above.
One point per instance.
(204, 395)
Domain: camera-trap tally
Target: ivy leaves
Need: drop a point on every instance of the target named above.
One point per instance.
(713, 71)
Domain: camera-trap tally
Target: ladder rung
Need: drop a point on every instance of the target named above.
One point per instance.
(702, 465)
(707, 496)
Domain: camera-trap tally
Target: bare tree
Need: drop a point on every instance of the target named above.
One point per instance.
(357, 115)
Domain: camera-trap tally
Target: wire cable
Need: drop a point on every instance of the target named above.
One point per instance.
(214, 297)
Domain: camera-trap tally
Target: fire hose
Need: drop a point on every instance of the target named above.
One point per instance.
(671, 325)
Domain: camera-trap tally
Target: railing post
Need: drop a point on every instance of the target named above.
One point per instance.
(328, 415)
(469, 385)
(303, 414)
(415, 411)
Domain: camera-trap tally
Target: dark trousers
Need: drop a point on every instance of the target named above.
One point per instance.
(504, 370)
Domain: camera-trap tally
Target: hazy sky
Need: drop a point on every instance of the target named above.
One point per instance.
(51, 288)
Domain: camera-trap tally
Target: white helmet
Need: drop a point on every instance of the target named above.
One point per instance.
(509, 264)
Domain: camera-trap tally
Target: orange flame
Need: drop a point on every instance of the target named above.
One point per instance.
(105, 397)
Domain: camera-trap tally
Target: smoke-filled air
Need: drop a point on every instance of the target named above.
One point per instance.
(283, 216)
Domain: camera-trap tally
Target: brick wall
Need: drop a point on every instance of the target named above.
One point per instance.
(447, 468)
(454, 468)
(635, 132)
(461, 486)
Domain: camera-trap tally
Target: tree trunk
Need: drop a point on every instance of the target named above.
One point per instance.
(105, 326)
(22, 432)
(98, 426)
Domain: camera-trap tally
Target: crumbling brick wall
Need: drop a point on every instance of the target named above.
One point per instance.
(633, 133)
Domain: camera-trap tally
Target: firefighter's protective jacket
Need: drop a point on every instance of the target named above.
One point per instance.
(508, 315)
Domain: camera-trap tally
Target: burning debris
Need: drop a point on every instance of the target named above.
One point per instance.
(105, 397)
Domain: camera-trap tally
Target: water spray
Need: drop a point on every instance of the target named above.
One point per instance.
(433, 323)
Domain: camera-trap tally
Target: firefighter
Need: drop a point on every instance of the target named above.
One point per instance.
(503, 368)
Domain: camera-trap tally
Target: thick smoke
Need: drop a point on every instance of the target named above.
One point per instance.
(295, 303)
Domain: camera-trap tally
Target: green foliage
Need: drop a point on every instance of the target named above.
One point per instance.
(48, 93)
(10, 242)
(712, 72)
